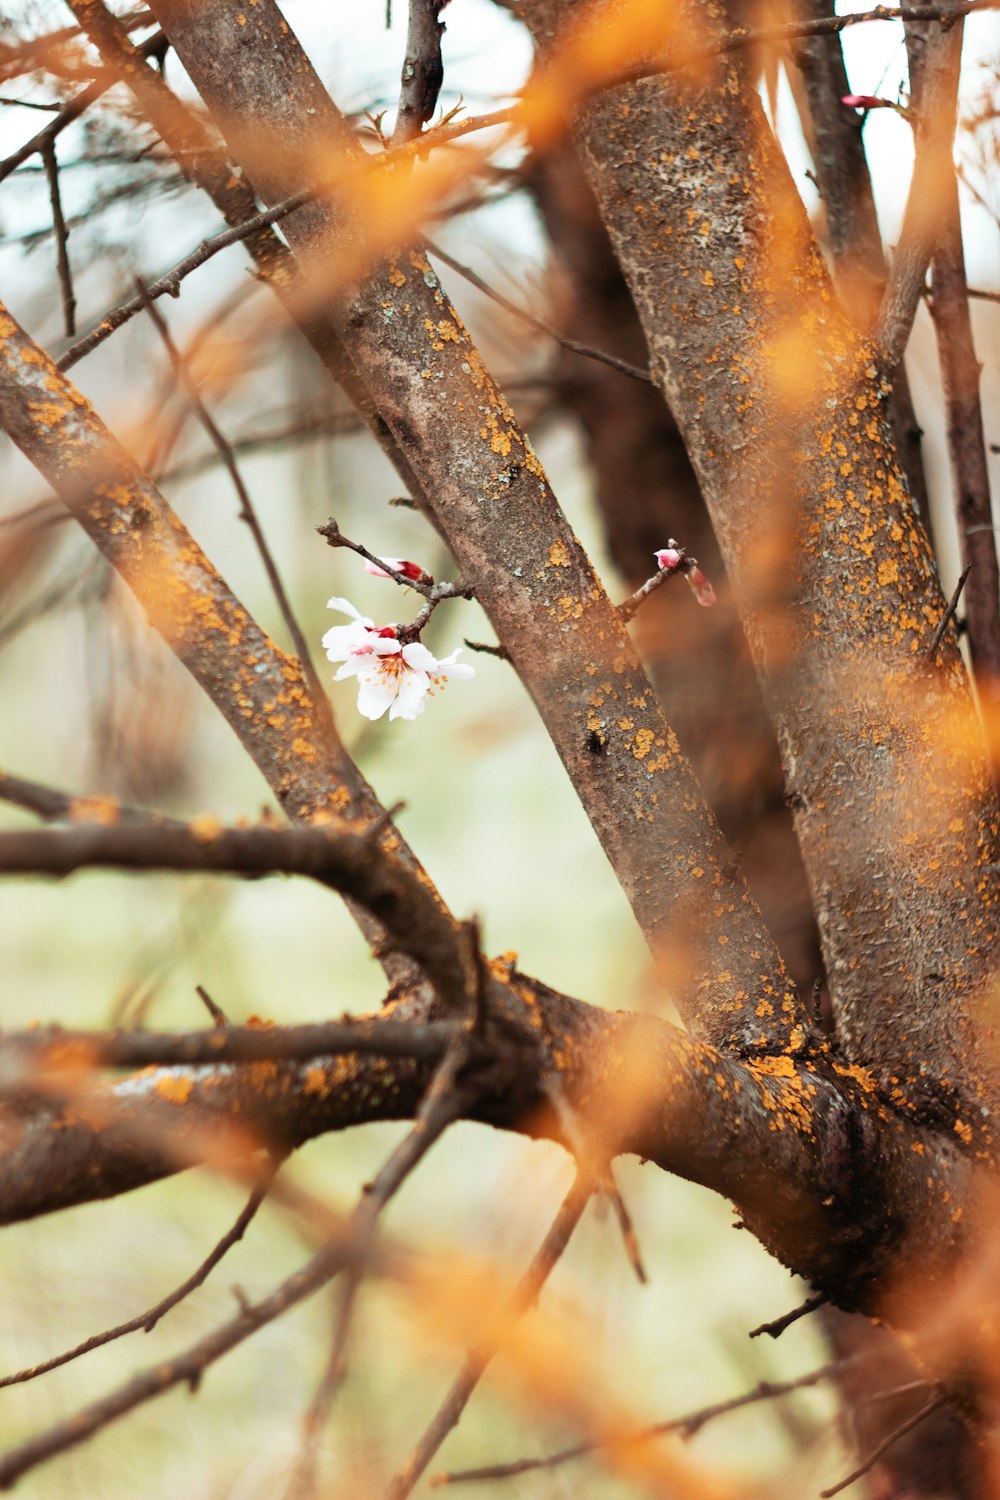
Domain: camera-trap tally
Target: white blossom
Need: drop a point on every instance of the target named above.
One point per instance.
(391, 674)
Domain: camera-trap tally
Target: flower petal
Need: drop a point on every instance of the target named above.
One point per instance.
(375, 695)
(345, 607)
(411, 696)
(416, 655)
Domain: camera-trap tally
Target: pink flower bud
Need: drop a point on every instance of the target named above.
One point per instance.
(668, 557)
(399, 565)
(865, 101)
(700, 587)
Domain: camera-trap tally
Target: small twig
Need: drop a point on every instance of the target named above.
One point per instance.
(776, 1328)
(869, 1463)
(74, 109)
(333, 536)
(219, 1017)
(592, 1163)
(247, 512)
(630, 605)
(186, 1368)
(53, 805)
(524, 1297)
(686, 1426)
(949, 612)
(634, 372)
(500, 652)
(62, 236)
(440, 1106)
(148, 1320)
(438, 594)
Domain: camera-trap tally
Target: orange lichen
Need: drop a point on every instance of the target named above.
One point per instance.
(176, 1088)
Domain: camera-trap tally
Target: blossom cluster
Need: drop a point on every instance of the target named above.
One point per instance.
(392, 674)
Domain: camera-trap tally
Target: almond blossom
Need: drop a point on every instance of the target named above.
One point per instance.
(392, 674)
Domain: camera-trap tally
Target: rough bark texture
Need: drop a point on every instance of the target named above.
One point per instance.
(503, 524)
(647, 492)
(784, 417)
(849, 217)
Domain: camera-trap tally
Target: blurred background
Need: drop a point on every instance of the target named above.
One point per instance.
(91, 701)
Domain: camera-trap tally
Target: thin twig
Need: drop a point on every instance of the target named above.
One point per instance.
(777, 1327)
(186, 1368)
(148, 1320)
(247, 512)
(62, 236)
(524, 1297)
(869, 1463)
(441, 1105)
(53, 805)
(687, 1426)
(153, 45)
(500, 652)
(949, 613)
(219, 1017)
(629, 606)
(592, 1163)
(424, 585)
(634, 372)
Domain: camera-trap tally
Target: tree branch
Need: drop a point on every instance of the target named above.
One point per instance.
(350, 861)
(258, 690)
(534, 580)
(839, 594)
(423, 69)
(933, 171)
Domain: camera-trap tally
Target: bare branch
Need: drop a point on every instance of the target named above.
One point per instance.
(767, 1390)
(932, 173)
(153, 46)
(444, 1102)
(423, 69)
(524, 1297)
(949, 613)
(621, 365)
(934, 1404)
(247, 512)
(148, 1320)
(62, 235)
(340, 856)
(776, 1327)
